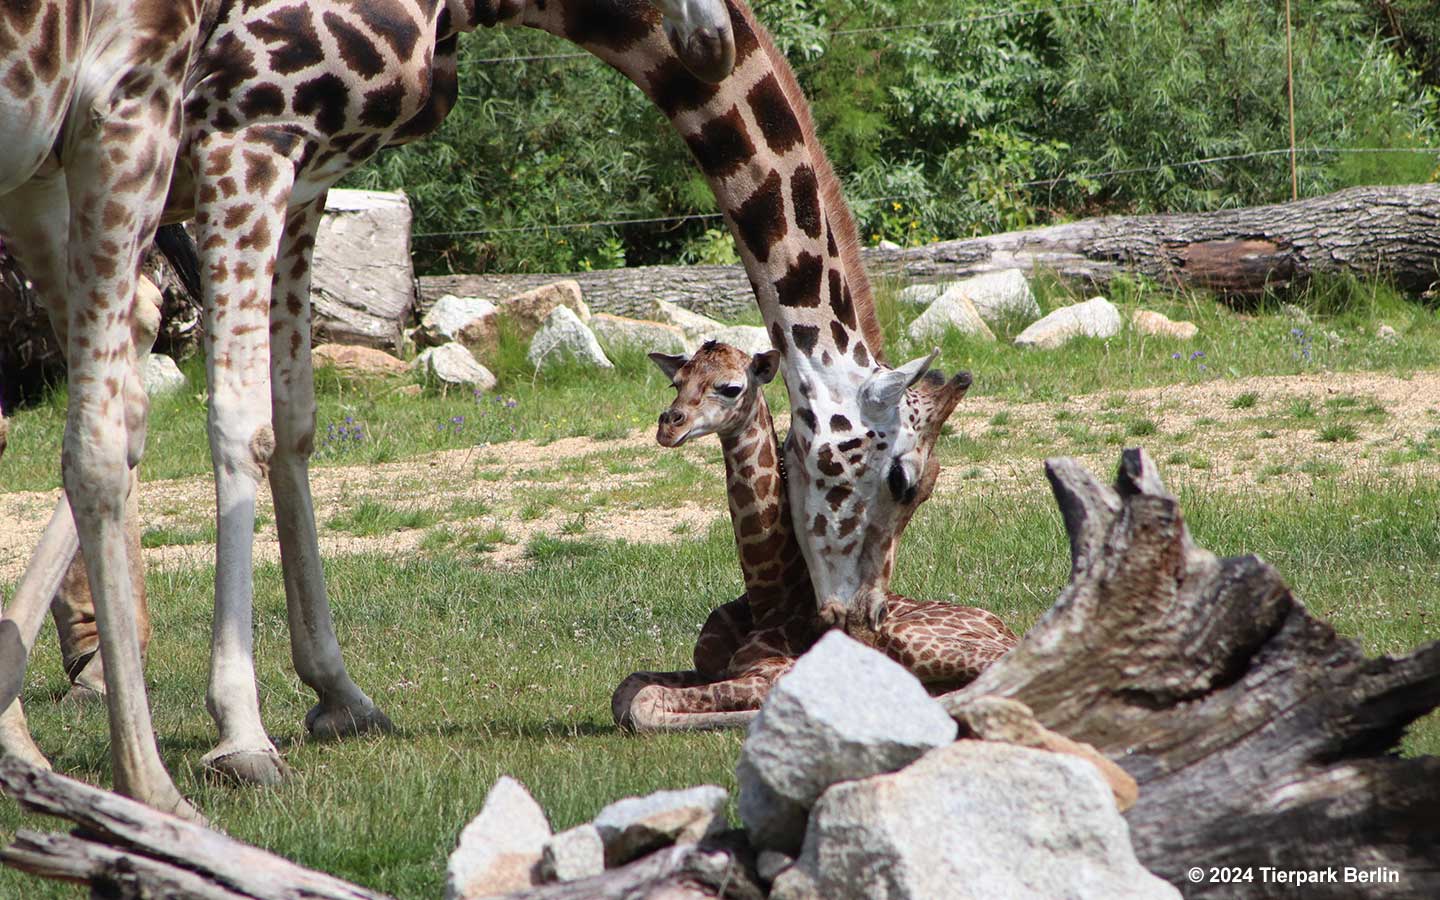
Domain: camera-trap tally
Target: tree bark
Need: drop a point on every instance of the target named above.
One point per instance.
(1369, 232)
(1257, 736)
(30, 355)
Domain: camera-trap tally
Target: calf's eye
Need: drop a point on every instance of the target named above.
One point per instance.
(729, 390)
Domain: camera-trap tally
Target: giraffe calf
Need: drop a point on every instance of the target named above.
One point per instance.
(748, 643)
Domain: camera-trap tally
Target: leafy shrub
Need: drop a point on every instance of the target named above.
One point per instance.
(945, 118)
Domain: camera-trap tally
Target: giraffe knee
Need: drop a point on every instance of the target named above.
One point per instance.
(262, 447)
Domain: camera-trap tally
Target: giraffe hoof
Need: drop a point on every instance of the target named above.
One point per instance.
(331, 723)
(264, 768)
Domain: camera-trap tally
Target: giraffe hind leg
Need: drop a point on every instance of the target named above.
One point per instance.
(342, 708)
(238, 225)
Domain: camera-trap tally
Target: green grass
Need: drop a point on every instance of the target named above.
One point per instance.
(171, 536)
(1246, 400)
(489, 673)
(371, 518)
(1338, 432)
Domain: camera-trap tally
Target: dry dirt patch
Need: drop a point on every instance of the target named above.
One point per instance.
(1199, 438)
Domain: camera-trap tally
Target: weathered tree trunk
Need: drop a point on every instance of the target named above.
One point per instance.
(128, 851)
(1386, 232)
(1257, 736)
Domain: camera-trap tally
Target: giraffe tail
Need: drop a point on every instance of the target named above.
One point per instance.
(180, 251)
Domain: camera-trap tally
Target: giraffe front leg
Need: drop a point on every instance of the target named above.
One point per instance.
(243, 193)
(343, 709)
(110, 214)
(691, 701)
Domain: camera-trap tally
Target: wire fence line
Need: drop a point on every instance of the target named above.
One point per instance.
(1041, 182)
(1014, 13)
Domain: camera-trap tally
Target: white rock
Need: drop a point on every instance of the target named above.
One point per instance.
(971, 821)
(573, 854)
(1096, 317)
(635, 826)
(996, 296)
(362, 285)
(1001, 295)
(617, 332)
(499, 849)
(357, 362)
(887, 245)
(953, 311)
(452, 315)
(565, 337)
(844, 711)
(452, 364)
(693, 324)
(1149, 322)
(528, 311)
(161, 376)
(1386, 333)
(752, 339)
(922, 294)
(770, 863)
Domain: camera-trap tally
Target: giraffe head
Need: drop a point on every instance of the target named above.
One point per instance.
(858, 471)
(717, 390)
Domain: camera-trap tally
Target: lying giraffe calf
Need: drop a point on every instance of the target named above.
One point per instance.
(751, 641)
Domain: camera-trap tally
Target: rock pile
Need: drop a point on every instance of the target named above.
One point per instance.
(852, 784)
(975, 307)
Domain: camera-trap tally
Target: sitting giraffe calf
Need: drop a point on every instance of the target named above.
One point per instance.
(749, 642)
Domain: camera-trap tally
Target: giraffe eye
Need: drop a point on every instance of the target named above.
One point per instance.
(729, 390)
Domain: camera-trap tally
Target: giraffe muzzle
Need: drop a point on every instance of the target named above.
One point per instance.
(707, 52)
(671, 431)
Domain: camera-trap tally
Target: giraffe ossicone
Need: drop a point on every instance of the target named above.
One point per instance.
(748, 643)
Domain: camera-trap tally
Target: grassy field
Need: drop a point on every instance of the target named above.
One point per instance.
(494, 609)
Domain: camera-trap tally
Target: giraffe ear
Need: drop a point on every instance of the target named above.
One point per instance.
(765, 365)
(882, 391)
(669, 364)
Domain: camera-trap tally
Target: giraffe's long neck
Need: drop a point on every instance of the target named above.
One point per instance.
(777, 580)
(753, 138)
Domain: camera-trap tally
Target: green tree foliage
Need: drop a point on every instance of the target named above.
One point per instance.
(944, 117)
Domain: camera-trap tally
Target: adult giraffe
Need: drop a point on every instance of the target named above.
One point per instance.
(859, 451)
(280, 99)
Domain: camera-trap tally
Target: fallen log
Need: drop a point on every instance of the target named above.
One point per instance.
(128, 851)
(719, 867)
(1390, 232)
(1258, 737)
(125, 849)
